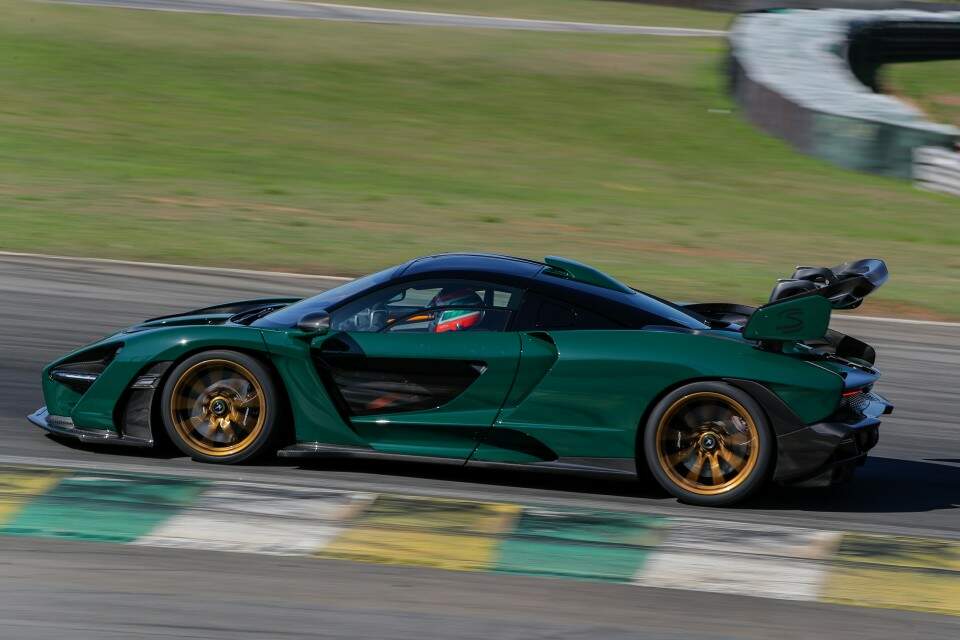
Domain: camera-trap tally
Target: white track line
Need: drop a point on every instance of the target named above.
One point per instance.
(471, 16)
(377, 15)
(288, 274)
(164, 265)
(929, 323)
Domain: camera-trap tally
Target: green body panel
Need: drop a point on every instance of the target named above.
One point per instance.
(592, 401)
(314, 415)
(585, 273)
(59, 398)
(451, 430)
(793, 319)
(95, 409)
(539, 353)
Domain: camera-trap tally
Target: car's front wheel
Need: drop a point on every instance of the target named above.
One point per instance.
(220, 406)
(708, 443)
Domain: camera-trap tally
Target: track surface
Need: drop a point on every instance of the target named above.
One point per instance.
(911, 485)
(47, 591)
(347, 13)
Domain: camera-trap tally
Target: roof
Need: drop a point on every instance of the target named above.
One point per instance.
(472, 262)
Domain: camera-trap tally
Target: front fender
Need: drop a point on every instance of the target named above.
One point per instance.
(97, 407)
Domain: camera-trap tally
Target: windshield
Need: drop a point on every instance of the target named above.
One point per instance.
(288, 316)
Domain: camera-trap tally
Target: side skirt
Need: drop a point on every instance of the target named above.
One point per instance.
(618, 467)
(321, 450)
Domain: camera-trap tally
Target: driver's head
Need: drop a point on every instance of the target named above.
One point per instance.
(457, 297)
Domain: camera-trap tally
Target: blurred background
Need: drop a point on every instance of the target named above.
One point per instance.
(695, 149)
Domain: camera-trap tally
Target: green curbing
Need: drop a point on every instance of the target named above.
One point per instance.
(591, 545)
(103, 507)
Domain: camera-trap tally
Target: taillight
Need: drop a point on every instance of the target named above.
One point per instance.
(854, 399)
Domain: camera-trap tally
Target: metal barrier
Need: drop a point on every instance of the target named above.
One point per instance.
(936, 169)
(740, 6)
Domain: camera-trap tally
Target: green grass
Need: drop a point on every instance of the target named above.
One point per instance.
(932, 86)
(606, 11)
(341, 148)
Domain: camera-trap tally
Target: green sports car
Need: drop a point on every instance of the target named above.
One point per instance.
(490, 360)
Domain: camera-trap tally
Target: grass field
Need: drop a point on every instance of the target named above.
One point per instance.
(607, 11)
(340, 148)
(933, 86)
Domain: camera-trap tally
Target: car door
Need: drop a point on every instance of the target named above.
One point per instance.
(551, 411)
(422, 368)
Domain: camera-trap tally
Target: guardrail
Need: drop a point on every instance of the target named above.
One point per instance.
(740, 6)
(936, 169)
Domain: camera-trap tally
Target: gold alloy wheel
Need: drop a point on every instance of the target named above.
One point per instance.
(707, 443)
(218, 407)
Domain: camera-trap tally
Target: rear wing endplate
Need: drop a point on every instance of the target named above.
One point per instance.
(796, 319)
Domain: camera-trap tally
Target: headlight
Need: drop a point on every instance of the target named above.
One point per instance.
(81, 370)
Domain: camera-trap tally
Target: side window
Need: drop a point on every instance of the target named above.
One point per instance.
(556, 315)
(430, 306)
(548, 314)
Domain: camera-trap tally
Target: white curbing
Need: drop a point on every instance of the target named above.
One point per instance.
(262, 519)
(742, 559)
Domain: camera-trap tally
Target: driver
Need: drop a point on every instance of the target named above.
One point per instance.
(460, 318)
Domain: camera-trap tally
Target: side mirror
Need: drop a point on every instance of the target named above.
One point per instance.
(315, 323)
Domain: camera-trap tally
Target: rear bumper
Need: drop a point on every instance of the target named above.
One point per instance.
(63, 427)
(828, 452)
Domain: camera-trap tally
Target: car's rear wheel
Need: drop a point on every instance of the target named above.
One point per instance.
(220, 406)
(709, 443)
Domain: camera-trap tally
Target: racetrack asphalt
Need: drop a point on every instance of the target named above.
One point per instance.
(910, 486)
(348, 13)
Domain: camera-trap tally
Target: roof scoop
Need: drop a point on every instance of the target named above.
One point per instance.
(573, 270)
(844, 286)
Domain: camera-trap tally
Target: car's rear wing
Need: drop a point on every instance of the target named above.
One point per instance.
(800, 306)
(844, 286)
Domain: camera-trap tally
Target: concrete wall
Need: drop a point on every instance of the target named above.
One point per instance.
(791, 74)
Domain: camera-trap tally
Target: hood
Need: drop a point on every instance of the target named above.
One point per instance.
(213, 315)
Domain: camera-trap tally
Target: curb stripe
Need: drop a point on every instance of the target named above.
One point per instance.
(896, 572)
(19, 487)
(264, 519)
(771, 562)
(107, 507)
(593, 545)
(445, 534)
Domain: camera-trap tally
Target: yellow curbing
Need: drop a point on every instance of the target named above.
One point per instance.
(19, 487)
(459, 535)
(896, 572)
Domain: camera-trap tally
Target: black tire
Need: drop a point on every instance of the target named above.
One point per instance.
(696, 431)
(221, 406)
